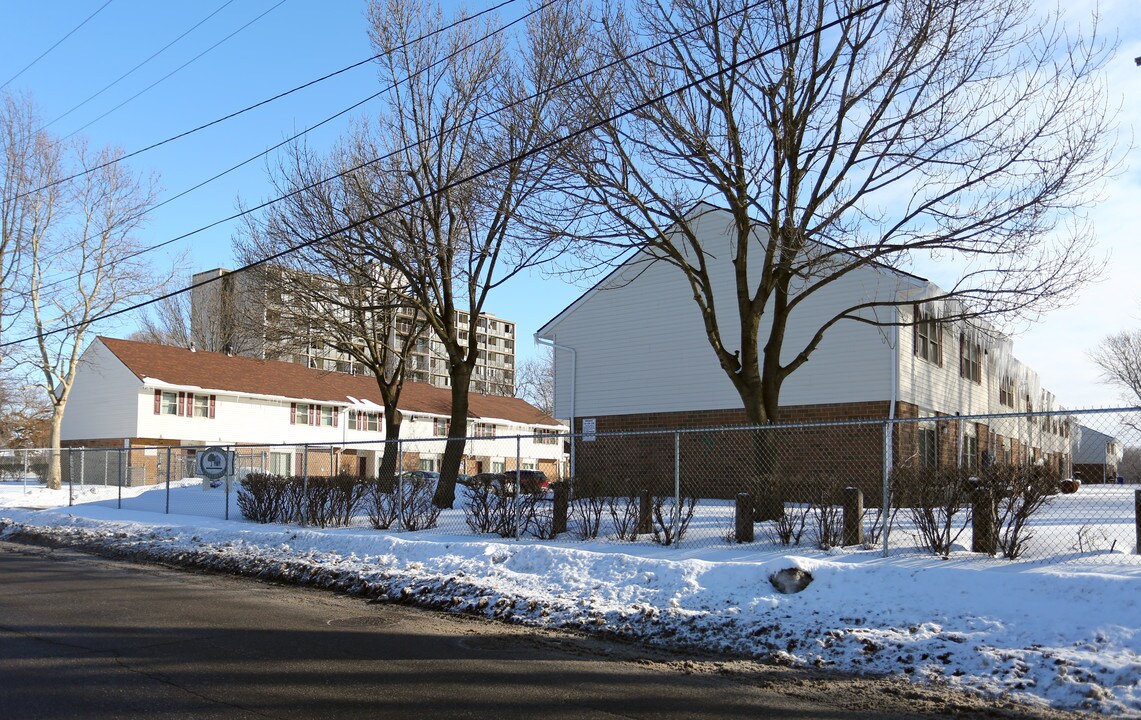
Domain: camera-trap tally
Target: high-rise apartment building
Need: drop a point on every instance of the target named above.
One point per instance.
(245, 314)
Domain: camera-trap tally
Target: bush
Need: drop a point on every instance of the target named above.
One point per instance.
(666, 512)
(1019, 493)
(586, 516)
(417, 511)
(937, 499)
(380, 504)
(624, 512)
(260, 497)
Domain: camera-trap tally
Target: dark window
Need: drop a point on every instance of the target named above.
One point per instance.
(928, 336)
(970, 360)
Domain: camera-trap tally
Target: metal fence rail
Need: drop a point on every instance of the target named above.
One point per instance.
(1020, 486)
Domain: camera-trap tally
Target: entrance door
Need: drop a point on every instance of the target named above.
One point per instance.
(362, 466)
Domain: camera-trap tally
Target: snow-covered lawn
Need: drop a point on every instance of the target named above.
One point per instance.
(1065, 633)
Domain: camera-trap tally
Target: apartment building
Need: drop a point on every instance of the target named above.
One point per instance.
(249, 314)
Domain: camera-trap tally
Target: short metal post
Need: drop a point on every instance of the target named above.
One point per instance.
(229, 480)
(332, 462)
(82, 468)
(26, 471)
(70, 477)
(168, 481)
(106, 468)
(645, 520)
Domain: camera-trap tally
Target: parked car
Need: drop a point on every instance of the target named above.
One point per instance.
(496, 482)
(420, 476)
(532, 481)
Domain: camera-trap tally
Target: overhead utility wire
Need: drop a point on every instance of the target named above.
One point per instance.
(172, 72)
(127, 74)
(288, 140)
(53, 47)
(476, 175)
(256, 105)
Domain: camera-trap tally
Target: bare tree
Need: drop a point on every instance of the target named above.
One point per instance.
(167, 322)
(29, 162)
(1119, 357)
(535, 381)
(82, 263)
(971, 131)
(331, 292)
(25, 417)
(454, 241)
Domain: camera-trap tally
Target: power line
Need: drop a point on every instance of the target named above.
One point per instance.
(478, 174)
(53, 47)
(144, 62)
(172, 72)
(256, 105)
(265, 152)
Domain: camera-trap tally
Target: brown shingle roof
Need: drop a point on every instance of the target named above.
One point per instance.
(223, 373)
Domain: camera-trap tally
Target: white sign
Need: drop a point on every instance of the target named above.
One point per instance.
(589, 427)
(215, 463)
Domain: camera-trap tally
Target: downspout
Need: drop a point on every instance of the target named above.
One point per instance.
(574, 362)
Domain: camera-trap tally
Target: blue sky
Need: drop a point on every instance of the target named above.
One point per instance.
(296, 41)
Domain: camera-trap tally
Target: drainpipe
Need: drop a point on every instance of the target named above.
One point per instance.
(574, 363)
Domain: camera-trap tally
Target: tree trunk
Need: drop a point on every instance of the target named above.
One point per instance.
(457, 436)
(54, 476)
(390, 459)
(761, 479)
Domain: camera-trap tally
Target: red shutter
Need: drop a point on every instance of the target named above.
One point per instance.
(182, 403)
(292, 413)
(158, 402)
(336, 412)
(213, 401)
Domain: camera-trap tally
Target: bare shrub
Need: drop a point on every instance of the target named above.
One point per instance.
(666, 513)
(624, 511)
(586, 516)
(381, 505)
(538, 516)
(939, 502)
(417, 511)
(827, 517)
(483, 508)
(788, 529)
(1019, 493)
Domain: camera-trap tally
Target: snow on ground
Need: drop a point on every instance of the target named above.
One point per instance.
(1065, 634)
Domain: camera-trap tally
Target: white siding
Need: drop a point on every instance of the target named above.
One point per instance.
(100, 404)
(641, 346)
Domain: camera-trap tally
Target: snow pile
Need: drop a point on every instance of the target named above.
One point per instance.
(1066, 635)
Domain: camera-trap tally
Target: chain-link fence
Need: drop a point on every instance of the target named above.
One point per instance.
(1026, 486)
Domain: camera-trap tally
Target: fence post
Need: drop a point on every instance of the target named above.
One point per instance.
(26, 470)
(645, 521)
(70, 476)
(168, 480)
(82, 469)
(304, 482)
(743, 532)
(119, 451)
(984, 539)
(518, 480)
(400, 479)
(228, 481)
(853, 516)
(561, 508)
(1137, 517)
(677, 490)
(888, 428)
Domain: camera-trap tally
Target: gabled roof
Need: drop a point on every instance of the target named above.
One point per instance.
(699, 208)
(166, 366)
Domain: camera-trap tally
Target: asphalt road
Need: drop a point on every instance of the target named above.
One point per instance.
(88, 637)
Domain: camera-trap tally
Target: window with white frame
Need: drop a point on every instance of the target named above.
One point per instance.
(183, 404)
(970, 359)
(497, 466)
(300, 414)
(483, 430)
(201, 406)
(928, 336)
(1006, 392)
(170, 403)
(546, 437)
(440, 426)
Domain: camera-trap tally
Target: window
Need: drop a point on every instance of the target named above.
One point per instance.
(928, 336)
(328, 418)
(483, 430)
(546, 437)
(928, 445)
(497, 466)
(202, 406)
(183, 404)
(428, 464)
(372, 422)
(300, 414)
(970, 451)
(970, 359)
(1006, 392)
(440, 426)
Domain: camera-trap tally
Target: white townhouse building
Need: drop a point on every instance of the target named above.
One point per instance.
(631, 354)
(142, 395)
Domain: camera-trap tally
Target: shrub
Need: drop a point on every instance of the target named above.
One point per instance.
(417, 510)
(380, 504)
(666, 512)
(1019, 493)
(586, 516)
(260, 497)
(937, 499)
(624, 512)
